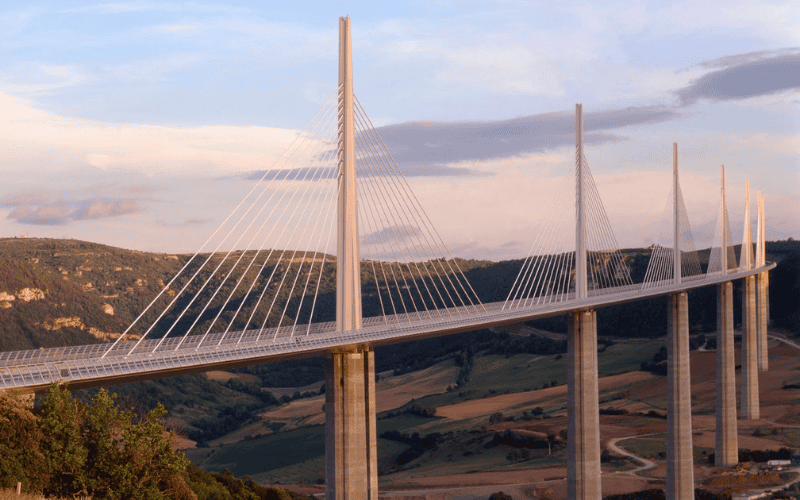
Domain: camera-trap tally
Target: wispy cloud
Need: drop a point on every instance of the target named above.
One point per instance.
(425, 143)
(60, 212)
(41, 78)
(192, 222)
(745, 75)
(134, 147)
(100, 208)
(390, 236)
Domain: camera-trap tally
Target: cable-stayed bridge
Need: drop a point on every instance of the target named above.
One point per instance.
(336, 212)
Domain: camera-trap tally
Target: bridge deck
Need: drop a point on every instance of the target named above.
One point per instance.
(101, 364)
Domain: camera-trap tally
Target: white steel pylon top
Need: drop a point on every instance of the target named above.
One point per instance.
(722, 258)
(672, 262)
(761, 250)
(746, 257)
(348, 274)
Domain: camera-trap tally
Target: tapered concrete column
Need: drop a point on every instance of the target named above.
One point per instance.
(583, 412)
(371, 421)
(680, 464)
(762, 314)
(750, 404)
(350, 441)
(762, 298)
(727, 448)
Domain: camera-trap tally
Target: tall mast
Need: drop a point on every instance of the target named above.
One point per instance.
(724, 219)
(348, 275)
(581, 286)
(676, 260)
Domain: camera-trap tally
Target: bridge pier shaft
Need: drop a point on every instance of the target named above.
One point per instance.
(750, 403)
(583, 412)
(351, 464)
(680, 464)
(727, 441)
(763, 320)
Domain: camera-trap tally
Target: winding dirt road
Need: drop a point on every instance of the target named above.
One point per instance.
(646, 464)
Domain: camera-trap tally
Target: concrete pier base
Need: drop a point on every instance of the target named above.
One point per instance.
(727, 446)
(680, 464)
(351, 465)
(749, 401)
(762, 304)
(583, 424)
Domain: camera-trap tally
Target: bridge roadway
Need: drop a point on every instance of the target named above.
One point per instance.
(100, 364)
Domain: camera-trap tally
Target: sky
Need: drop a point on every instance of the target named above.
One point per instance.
(143, 124)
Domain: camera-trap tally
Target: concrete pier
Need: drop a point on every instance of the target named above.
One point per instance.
(680, 464)
(749, 400)
(727, 445)
(351, 465)
(762, 304)
(583, 412)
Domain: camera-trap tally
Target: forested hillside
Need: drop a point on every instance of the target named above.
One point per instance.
(64, 292)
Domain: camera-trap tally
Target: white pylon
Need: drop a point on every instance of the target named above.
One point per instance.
(581, 283)
(676, 259)
(724, 222)
(348, 275)
(746, 258)
(760, 250)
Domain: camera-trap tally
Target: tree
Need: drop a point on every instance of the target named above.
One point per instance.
(551, 438)
(67, 448)
(148, 453)
(127, 459)
(64, 451)
(103, 434)
(20, 439)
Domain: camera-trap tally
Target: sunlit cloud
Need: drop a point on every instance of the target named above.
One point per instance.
(146, 148)
(62, 212)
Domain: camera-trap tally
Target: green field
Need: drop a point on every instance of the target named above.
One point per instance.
(298, 455)
(493, 375)
(256, 456)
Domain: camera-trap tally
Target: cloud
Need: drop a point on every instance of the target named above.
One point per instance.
(437, 144)
(745, 75)
(35, 210)
(390, 234)
(431, 148)
(43, 79)
(100, 208)
(58, 141)
(505, 70)
(191, 222)
(45, 215)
